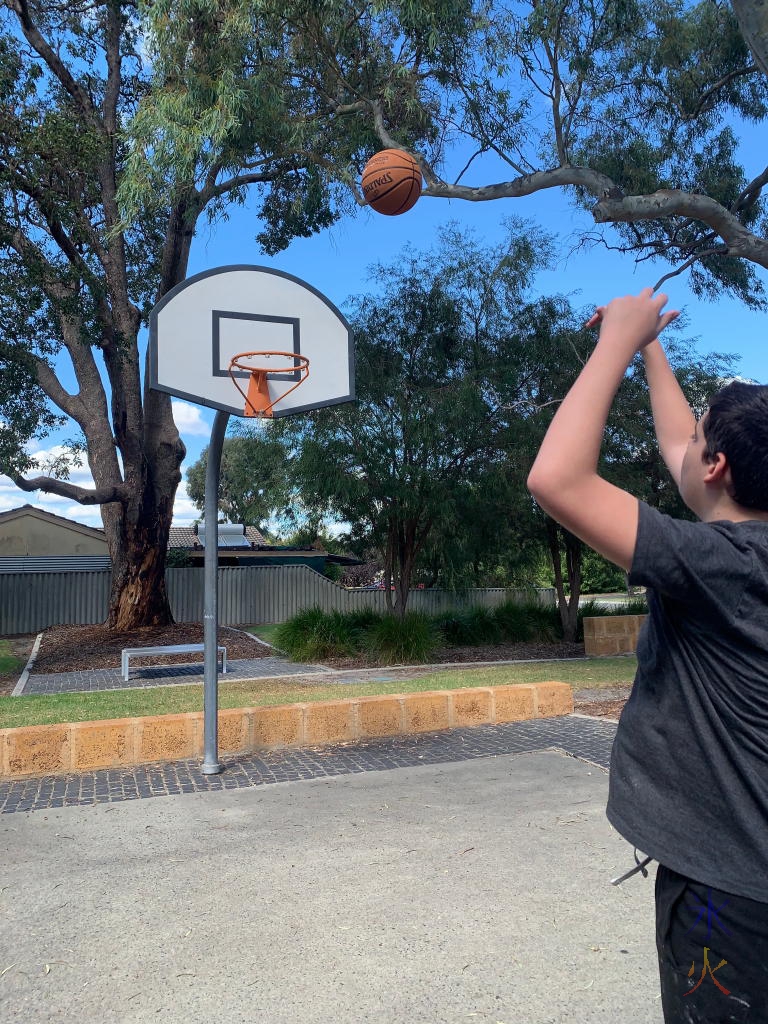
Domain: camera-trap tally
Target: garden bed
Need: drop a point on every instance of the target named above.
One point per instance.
(523, 651)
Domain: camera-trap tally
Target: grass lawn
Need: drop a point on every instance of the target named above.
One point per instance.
(167, 700)
(266, 632)
(8, 661)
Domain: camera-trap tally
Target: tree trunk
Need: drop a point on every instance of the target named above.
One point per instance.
(752, 16)
(389, 559)
(138, 596)
(574, 550)
(138, 540)
(137, 531)
(568, 608)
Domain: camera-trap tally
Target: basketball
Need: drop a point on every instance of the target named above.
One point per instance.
(391, 182)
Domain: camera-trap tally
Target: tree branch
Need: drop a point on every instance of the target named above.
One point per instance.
(82, 495)
(718, 250)
(753, 22)
(739, 73)
(72, 405)
(751, 193)
(41, 46)
(614, 207)
(676, 203)
(582, 177)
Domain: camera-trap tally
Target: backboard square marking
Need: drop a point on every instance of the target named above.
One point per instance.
(287, 339)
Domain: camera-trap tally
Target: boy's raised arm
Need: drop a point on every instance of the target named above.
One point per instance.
(564, 478)
(672, 417)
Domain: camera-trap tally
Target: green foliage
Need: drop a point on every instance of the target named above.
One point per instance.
(314, 635)
(8, 661)
(592, 609)
(439, 356)
(178, 558)
(402, 640)
(333, 571)
(286, 90)
(527, 620)
(509, 623)
(472, 628)
(254, 479)
(599, 576)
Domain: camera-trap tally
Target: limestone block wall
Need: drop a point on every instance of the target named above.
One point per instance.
(86, 746)
(607, 635)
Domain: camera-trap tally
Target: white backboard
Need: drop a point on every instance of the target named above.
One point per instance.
(197, 328)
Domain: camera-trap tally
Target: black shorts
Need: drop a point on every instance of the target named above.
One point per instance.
(713, 953)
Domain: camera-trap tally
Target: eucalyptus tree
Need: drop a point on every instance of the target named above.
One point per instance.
(254, 483)
(120, 127)
(438, 366)
(633, 107)
(629, 105)
(558, 345)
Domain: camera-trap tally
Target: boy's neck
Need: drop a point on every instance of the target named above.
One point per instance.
(726, 510)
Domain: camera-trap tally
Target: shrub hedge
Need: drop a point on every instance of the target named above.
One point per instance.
(315, 635)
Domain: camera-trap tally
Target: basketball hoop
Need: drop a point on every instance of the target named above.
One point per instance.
(256, 399)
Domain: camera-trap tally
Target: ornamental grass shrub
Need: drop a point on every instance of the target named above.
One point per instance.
(313, 635)
(527, 620)
(386, 639)
(470, 628)
(408, 640)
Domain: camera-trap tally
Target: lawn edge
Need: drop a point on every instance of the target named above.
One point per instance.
(36, 750)
(18, 689)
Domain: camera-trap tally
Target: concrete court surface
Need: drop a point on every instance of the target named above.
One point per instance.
(476, 891)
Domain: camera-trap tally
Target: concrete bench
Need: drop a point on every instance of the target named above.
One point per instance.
(140, 652)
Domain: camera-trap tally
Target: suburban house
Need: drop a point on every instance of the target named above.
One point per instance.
(245, 545)
(31, 538)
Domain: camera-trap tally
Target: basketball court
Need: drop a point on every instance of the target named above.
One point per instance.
(461, 891)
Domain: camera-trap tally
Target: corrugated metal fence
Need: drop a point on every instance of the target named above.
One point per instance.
(30, 601)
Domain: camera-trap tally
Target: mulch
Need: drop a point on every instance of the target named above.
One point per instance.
(71, 648)
(599, 708)
(526, 651)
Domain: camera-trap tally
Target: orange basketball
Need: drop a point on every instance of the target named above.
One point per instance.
(391, 182)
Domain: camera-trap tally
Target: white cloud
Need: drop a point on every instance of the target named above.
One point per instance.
(11, 496)
(189, 419)
(184, 511)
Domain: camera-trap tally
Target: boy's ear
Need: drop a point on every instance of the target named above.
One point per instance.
(718, 471)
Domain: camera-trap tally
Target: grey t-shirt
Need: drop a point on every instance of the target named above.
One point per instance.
(689, 769)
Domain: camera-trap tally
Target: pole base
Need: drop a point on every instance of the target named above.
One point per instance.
(211, 768)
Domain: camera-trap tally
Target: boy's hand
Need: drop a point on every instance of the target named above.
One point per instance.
(635, 320)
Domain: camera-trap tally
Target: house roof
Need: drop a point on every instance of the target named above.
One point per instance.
(51, 517)
(186, 537)
(180, 537)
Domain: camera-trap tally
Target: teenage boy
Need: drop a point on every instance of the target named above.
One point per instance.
(689, 770)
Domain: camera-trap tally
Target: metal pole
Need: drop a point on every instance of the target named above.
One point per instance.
(211, 764)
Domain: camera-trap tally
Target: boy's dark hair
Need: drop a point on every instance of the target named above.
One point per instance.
(737, 426)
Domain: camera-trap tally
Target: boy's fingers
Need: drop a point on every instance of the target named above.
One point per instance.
(667, 318)
(596, 317)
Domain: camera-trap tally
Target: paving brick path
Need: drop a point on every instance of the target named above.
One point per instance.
(584, 738)
(140, 676)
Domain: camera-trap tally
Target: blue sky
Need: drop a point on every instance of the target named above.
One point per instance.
(336, 263)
